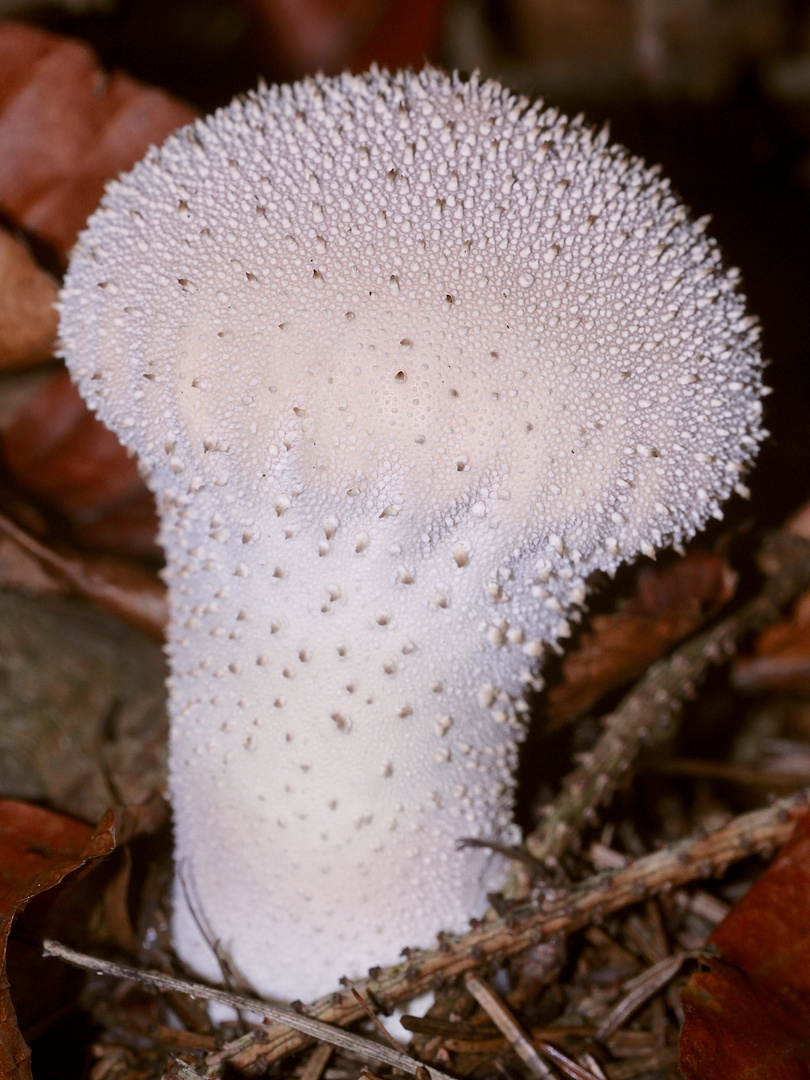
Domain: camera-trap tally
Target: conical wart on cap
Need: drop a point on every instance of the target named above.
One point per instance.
(404, 358)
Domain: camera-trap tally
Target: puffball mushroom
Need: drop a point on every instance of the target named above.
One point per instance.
(404, 359)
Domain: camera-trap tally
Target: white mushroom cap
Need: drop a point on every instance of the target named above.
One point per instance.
(405, 358)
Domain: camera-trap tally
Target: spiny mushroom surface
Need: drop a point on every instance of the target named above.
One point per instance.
(405, 358)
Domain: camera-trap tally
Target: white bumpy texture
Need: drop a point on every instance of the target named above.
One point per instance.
(404, 359)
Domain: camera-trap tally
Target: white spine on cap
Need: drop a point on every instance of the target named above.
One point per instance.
(404, 358)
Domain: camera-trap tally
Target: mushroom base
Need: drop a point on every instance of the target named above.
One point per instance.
(287, 959)
(329, 748)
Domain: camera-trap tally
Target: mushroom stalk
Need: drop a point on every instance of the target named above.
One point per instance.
(343, 729)
(404, 358)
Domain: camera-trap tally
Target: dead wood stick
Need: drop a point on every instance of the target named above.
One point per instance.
(639, 990)
(508, 1026)
(560, 912)
(363, 1048)
(650, 712)
(517, 1039)
(317, 1062)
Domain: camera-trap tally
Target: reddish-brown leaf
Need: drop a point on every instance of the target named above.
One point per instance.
(736, 1028)
(128, 591)
(668, 605)
(799, 523)
(767, 934)
(782, 660)
(38, 849)
(749, 1015)
(20, 569)
(56, 450)
(27, 315)
(335, 34)
(66, 127)
(407, 35)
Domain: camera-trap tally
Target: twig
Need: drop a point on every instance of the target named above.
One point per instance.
(728, 772)
(649, 713)
(658, 1063)
(449, 1029)
(317, 1062)
(507, 1025)
(696, 857)
(378, 1025)
(566, 1065)
(365, 1049)
(451, 1001)
(517, 1038)
(640, 989)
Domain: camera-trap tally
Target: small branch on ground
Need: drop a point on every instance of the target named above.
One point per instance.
(361, 1047)
(650, 712)
(700, 856)
(506, 1023)
(559, 912)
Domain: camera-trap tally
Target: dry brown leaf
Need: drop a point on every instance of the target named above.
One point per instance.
(790, 635)
(16, 387)
(782, 660)
(749, 1015)
(66, 127)
(56, 450)
(668, 605)
(335, 34)
(83, 720)
(38, 850)
(128, 591)
(798, 524)
(19, 569)
(28, 318)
